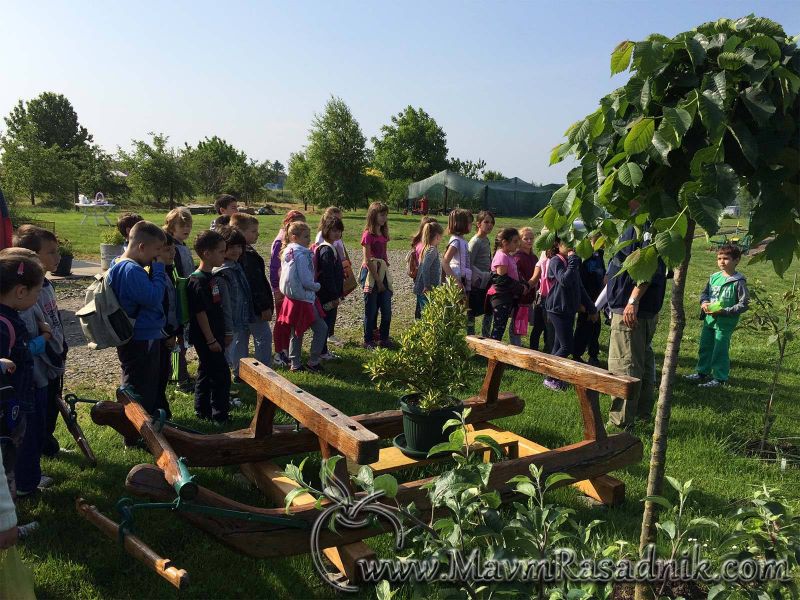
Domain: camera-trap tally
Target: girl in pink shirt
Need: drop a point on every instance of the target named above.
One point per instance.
(378, 298)
(506, 286)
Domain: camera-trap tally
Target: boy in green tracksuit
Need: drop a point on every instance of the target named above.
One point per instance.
(724, 298)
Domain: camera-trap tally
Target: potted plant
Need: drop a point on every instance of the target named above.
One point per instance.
(110, 248)
(432, 364)
(65, 263)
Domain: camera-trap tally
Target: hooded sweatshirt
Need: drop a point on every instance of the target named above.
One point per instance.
(732, 294)
(297, 274)
(566, 290)
(141, 296)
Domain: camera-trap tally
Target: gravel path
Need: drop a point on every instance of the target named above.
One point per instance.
(99, 369)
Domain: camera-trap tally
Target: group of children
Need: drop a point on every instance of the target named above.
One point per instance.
(558, 294)
(218, 305)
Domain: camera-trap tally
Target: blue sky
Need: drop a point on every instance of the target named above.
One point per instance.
(504, 79)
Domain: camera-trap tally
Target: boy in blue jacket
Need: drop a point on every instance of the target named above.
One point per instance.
(141, 297)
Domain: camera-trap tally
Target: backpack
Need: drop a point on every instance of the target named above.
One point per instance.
(9, 401)
(103, 321)
(412, 263)
(544, 282)
(181, 297)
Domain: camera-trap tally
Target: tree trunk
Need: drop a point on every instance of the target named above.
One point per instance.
(33, 199)
(658, 452)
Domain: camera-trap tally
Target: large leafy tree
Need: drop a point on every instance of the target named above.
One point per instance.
(706, 116)
(156, 171)
(336, 158)
(210, 164)
(468, 168)
(297, 180)
(413, 146)
(54, 119)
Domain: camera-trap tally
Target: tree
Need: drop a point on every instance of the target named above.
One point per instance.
(703, 114)
(247, 178)
(210, 163)
(336, 158)
(467, 168)
(375, 185)
(54, 119)
(32, 169)
(297, 180)
(493, 175)
(413, 146)
(156, 171)
(95, 167)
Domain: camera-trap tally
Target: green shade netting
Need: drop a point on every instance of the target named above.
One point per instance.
(511, 197)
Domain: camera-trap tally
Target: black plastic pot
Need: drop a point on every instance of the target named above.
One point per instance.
(64, 267)
(423, 429)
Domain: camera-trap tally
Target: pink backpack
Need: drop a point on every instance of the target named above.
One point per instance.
(545, 283)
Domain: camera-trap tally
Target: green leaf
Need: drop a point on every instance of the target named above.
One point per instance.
(731, 61)
(490, 441)
(671, 247)
(712, 115)
(667, 527)
(559, 152)
(709, 154)
(679, 119)
(780, 251)
(660, 500)
(662, 146)
(644, 97)
(604, 193)
(444, 447)
(609, 230)
(584, 248)
(641, 264)
(562, 200)
(630, 174)
(621, 57)
(746, 140)
(697, 53)
(387, 483)
(718, 84)
(759, 104)
(703, 522)
(527, 488)
(291, 496)
(764, 42)
(556, 478)
(598, 121)
(383, 591)
(676, 485)
(706, 211)
(640, 136)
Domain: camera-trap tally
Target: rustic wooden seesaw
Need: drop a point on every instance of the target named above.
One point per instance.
(268, 532)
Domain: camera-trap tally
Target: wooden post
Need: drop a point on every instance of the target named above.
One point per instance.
(263, 418)
(491, 383)
(593, 427)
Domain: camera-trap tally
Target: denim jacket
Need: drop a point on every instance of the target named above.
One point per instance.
(237, 301)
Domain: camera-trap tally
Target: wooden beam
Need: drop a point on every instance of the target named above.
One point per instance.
(593, 427)
(158, 445)
(329, 424)
(603, 488)
(583, 460)
(564, 369)
(237, 447)
(267, 476)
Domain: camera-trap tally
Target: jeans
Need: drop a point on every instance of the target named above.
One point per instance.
(539, 328)
(213, 386)
(50, 445)
(563, 327)
(330, 321)
(140, 361)
(375, 302)
(28, 470)
(240, 346)
(320, 330)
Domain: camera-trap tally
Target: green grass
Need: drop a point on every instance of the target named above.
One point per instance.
(72, 559)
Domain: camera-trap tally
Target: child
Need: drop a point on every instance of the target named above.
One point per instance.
(541, 326)
(331, 211)
(456, 258)
(416, 246)
(171, 325)
(506, 288)
(237, 302)
(480, 259)
(375, 278)
(724, 298)
(141, 297)
(125, 223)
(566, 295)
(280, 359)
(330, 276)
(261, 294)
(178, 223)
(21, 279)
(301, 309)
(226, 205)
(429, 274)
(587, 332)
(526, 267)
(207, 330)
(49, 364)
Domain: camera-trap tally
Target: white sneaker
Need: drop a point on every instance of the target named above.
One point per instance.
(45, 482)
(695, 377)
(235, 402)
(329, 356)
(335, 341)
(26, 530)
(712, 383)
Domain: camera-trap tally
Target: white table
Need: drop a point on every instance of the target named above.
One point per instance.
(95, 210)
